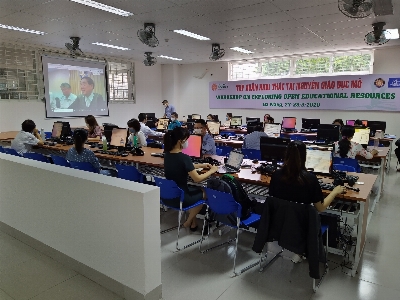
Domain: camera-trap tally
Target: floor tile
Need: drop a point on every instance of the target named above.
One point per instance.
(28, 279)
(77, 287)
(13, 252)
(4, 296)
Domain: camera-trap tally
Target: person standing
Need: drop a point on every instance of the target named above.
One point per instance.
(169, 109)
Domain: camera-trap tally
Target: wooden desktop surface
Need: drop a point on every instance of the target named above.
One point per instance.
(8, 135)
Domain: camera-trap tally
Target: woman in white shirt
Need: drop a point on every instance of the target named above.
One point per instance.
(345, 148)
(136, 137)
(228, 120)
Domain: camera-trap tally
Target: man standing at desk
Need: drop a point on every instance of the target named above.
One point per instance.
(169, 109)
(88, 100)
(66, 100)
(208, 145)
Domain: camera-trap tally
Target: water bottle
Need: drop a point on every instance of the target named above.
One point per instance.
(42, 134)
(376, 143)
(104, 143)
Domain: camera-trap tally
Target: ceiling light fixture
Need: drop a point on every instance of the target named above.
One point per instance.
(192, 35)
(22, 29)
(238, 49)
(104, 7)
(393, 34)
(169, 57)
(111, 46)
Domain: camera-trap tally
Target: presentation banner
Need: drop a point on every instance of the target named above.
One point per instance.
(363, 92)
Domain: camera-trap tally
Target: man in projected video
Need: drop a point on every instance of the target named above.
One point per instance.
(66, 100)
(88, 100)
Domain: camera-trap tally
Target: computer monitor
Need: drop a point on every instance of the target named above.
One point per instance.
(196, 116)
(213, 127)
(328, 133)
(289, 122)
(319, 160)
(376, 125)
(250, 119)
(350, 122)
(194, 146)
(251, 127)
(273, 148)
(57, 129)
(361, 136)
(66, 129)
(272, 129)
(236, 121)
(310, 123)
(118, 137)
(163, 124)
(108, 128)
(150, 116)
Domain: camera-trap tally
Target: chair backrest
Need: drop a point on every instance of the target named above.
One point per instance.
(352, 162)
(225, 150)
(47, 134)
(36, 156)
(129, 173)
(60, 161)
(252, 153)
(222, 203)
(84, 166)
(298, 137)
(344, 168)
(168, 189)
(11, 151)
(2, 150)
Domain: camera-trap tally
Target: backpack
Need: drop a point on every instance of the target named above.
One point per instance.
(229, 184)
(397, 143)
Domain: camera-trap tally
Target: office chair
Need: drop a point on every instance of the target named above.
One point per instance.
(352, 162)
(224, 150)
(11, 152)
(129, 173)
(60, 161)
(344, 168)
(224, 204)
(2, 150)
(36, 156)
(84, 166)
(169, 190)
(252, 153)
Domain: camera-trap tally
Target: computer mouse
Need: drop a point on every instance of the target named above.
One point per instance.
(124, 154)
(93, 145)
(255, 161)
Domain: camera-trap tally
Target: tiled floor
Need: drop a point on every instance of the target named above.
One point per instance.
(27, 274)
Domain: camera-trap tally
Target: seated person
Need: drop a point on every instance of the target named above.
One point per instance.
(358, 122)
(338, 122)
(94, 132)
(228, 120)
(210, 117)
(208, 144)
(252, 140)
(146, 129)
(178, 166)
(268, 119)
(346, 148)
(136, 137)
(174, 121)
(79, 153)
(294, 183)
(397, 152)
(26, 138)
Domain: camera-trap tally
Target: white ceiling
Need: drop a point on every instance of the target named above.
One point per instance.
(269, 28)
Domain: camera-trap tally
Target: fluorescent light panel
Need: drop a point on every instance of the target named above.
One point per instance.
(22, 29)
(111, 46)
(104, 7)
(238, 49)
(192, 35)
(169, 57)
(393, 34)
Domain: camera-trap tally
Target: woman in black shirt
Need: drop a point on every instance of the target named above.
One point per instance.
(178, 166)
(294, 183)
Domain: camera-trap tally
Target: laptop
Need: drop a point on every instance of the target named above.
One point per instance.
(234, 163)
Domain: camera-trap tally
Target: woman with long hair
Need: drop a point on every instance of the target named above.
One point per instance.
(178, 166)
(94, 131)
(345, 148)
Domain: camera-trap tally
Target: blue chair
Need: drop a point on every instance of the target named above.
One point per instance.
(84, 166)
(129, 173)
(169, 190)
(47, 134)
(224, 150)
(348, 162)
(298, 137)
(11, 152)
(60, 161)
(224, 204)
(2, 150)
(252, 153)
(344, 168)
(36, 156)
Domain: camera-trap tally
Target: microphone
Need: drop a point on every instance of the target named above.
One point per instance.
(58, 105)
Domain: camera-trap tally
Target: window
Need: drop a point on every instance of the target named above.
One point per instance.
(349, 63)
(120, 82)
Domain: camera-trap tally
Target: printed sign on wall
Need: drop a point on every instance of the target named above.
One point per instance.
(363, 92)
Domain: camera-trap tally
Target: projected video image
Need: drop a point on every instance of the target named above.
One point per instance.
(74, 88)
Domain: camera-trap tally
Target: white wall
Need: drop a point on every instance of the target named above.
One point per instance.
(193, 93)
(148, 99)
(108, 224)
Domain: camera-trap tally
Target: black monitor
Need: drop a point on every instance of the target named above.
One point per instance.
(189, 117)
(328, 133)
(163, 124)
(273, 148)
(66, 130)
(213, 127)
(376, 125)
(150, 116)
(310, 123)
(252, 120)
(108, 128)
(236, 121)
(251, 126)
(196, 116)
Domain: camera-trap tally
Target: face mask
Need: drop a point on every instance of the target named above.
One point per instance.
(197, 131)
(173, 119)
(131, 130)
(185, 144)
